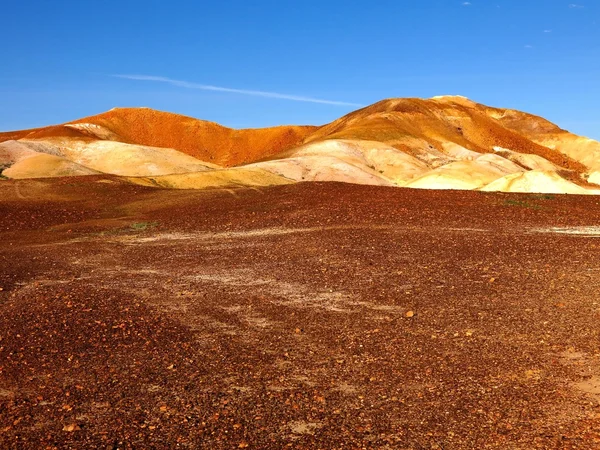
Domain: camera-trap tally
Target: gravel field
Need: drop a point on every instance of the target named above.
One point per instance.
(306, 316)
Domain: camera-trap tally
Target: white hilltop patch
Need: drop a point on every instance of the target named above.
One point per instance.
(93, 130)
(450, 96)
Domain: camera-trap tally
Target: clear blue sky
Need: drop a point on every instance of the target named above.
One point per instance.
(59, 57)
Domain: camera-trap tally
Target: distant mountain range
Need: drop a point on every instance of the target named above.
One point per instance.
(447, 142)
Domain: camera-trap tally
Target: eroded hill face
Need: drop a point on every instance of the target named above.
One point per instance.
(441, 143)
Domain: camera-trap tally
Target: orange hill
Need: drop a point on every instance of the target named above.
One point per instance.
(204, 140)
(447, 142)
(476, 127)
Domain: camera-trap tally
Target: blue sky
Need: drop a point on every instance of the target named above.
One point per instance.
(269, 60)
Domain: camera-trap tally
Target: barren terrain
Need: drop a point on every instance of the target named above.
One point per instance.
(308, 315)
(447, 142)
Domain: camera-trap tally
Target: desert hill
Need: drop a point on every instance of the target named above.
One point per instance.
(447, 142)
(200, 139)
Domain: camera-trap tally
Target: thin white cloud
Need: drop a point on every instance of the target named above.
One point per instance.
(208, 87)
(547, 31)
(466, 3)
(575, 5)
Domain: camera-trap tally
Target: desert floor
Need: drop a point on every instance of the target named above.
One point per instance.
(314, 315)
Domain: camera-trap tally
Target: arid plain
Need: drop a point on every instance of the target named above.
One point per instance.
(419, 274)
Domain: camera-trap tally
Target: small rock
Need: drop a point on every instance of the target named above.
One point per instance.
(71, 427)
(409, 314)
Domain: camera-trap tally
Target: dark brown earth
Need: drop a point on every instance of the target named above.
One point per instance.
(306, 316)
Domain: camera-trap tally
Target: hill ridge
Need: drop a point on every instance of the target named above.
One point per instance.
(444, 142)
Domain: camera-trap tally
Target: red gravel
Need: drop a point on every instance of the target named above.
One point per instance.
(277, 318)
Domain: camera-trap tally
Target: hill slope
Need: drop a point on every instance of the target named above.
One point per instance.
(447, 142)
(201, 139)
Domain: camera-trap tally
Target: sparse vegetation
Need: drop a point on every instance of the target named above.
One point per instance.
(142, 226)
(521, 204)
(543, 196)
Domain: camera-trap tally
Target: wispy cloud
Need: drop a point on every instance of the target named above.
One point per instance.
(575, 6)
(208, 87)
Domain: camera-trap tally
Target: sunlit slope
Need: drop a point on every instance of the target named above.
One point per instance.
(41, 165)
(447, 142)
(418, 126)
(349, 161)
(537, 181)
(214, 179)
(104, 156)
(464, 145)
(206, 141)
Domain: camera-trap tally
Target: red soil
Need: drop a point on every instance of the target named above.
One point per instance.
(277, 318)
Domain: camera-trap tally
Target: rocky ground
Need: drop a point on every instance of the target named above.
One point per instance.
(306, 316)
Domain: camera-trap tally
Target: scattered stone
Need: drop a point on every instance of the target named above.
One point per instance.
(71, 427)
